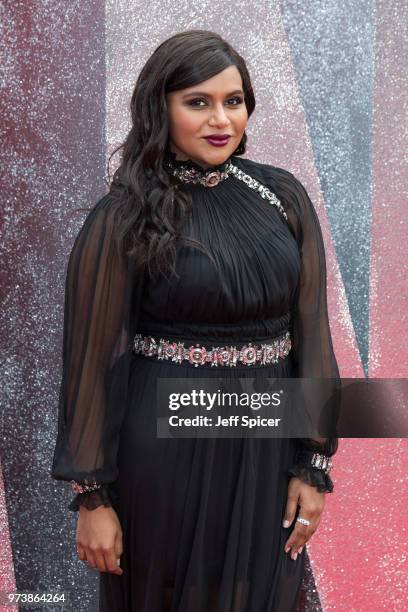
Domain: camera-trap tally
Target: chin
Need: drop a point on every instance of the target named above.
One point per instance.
(219, 156)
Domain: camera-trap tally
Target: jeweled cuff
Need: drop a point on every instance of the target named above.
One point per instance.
(321, 461)
(102, 495)
(313, 468)
(84, 487)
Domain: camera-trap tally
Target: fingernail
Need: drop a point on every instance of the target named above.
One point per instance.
(295, 556)
(287, 549)
(286, 523)
(300, 549)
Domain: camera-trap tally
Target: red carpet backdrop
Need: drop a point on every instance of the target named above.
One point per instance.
(330, 84)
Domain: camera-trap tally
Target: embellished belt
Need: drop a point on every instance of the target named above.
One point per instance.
(249, 354)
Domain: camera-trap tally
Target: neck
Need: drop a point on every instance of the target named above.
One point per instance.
(182, 157)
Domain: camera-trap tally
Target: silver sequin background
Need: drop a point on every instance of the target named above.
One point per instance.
(331, 107)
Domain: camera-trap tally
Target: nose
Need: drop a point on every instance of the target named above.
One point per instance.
(219, 117)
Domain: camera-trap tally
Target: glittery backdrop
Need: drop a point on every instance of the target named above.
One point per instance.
(331, 88)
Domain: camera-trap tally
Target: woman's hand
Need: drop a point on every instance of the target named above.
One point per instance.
(311, 504)
(99, 539)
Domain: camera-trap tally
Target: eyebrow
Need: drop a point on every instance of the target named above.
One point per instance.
(203, 93)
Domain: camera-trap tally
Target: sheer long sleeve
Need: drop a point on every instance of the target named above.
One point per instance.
(95, 360)
(312, 342)
(312, 348)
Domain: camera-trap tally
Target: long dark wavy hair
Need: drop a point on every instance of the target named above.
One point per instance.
(149, 209)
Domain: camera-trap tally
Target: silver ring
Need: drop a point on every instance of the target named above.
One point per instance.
(303, 520)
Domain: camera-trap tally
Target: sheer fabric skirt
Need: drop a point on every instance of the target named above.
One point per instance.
(201, 518)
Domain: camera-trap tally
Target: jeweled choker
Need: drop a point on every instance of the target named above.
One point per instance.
(189, 171)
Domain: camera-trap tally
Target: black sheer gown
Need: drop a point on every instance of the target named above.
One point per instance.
(201, 518)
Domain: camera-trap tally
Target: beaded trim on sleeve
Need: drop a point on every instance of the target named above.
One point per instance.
(85, 487)
(315, 460)
(322, 462)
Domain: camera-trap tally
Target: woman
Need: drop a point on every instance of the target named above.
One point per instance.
(193, 245)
